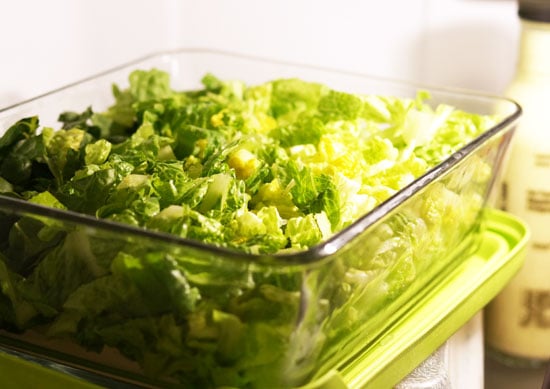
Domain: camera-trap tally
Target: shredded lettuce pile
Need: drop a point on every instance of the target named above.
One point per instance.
(265, 169)
(271, 168)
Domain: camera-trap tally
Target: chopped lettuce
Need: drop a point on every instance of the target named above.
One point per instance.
(266, 169)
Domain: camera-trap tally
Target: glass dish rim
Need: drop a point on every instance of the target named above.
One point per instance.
(314, 254)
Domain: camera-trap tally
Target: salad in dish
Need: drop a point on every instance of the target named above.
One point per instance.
(272, 168)
(265, 169)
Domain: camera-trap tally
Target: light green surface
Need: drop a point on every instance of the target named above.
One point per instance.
(18, 373)
(413, 338)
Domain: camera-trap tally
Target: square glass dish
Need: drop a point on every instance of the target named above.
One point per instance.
(237, 319)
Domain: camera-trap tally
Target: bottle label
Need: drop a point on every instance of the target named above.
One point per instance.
(538, 201)
(536, 309)
(517, 321)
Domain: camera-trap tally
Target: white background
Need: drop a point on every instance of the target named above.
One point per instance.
(465, 43)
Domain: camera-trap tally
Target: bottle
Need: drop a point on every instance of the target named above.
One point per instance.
(517, 321)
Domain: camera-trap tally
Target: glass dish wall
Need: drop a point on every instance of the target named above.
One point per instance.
(231, 319)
